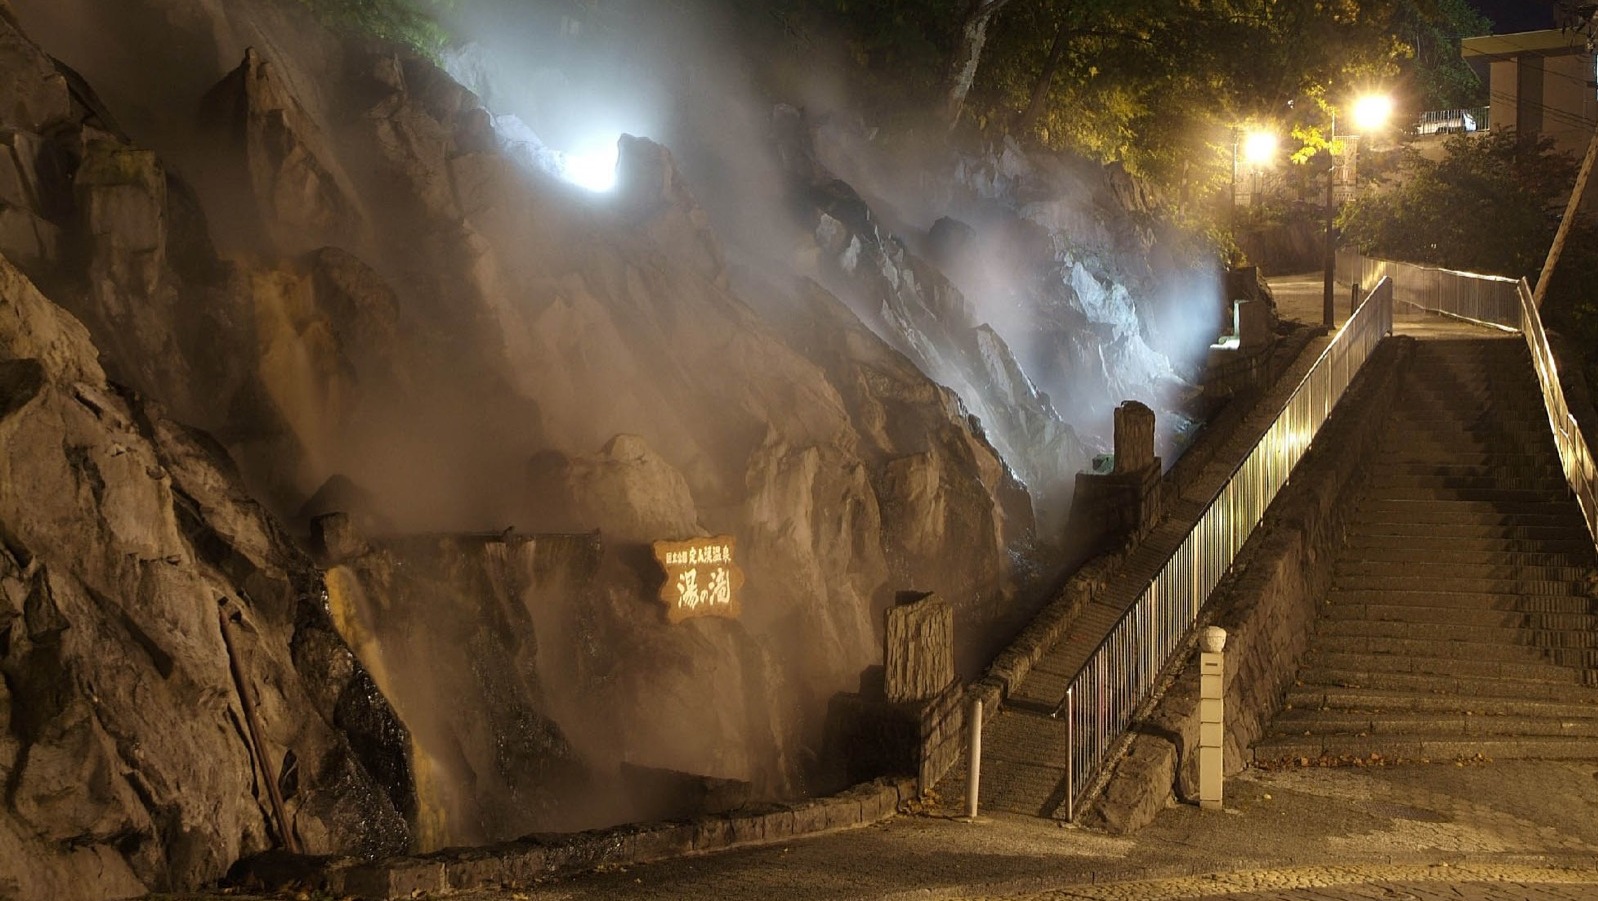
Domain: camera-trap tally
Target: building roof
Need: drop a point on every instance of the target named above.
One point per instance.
(1551, 42)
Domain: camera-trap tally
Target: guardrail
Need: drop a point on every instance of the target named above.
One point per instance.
(1483, 299)
(1121, 673)
(1580, 471)
(1452, 121)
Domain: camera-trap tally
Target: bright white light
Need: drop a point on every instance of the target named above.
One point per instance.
(592, 168)
(1372, 111)
(1259, 147)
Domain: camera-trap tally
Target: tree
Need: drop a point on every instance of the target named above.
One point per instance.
(1490, 205)
(963, 61)
(1439, 77)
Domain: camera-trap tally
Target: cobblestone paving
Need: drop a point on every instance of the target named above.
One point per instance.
(1356, 883)
(1491, 831)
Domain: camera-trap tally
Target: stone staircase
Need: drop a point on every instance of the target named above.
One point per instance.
(1462, 618)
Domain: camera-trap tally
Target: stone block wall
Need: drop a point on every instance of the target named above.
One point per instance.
(942, 734)
(1267, 605)
(918, 649)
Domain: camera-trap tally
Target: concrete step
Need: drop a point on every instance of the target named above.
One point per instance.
(1420, 445)
(1299, 723)
(1527, 434)
(1506, 466)
(1421, 616)
(1375, 508)
(1388, 530)
(1425, 748)
(1489, 457)
(1419, 566)
(1542, 493)
(1384, 483)
(1365, 661)
(1493, 552)
(1576, 702)
(1461, 585)
(1439, 651)
(1510, 636)
(1570, 689)
(1516, 602)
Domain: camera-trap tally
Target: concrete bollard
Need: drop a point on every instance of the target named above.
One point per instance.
(973, 782)
(1212, 732)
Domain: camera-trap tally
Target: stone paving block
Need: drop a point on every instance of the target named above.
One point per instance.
(503, 865)
(397, 878)
(712, 833)
(660, 841)
(747, 828)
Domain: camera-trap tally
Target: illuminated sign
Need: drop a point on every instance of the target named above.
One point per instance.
(701, 578)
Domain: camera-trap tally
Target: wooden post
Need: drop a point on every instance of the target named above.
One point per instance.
(1571, 210)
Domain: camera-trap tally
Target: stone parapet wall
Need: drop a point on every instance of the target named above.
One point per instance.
(521, 863)
(1267, 605)
(942, 728)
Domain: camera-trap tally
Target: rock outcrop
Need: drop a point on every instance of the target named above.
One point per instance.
(330, 257)
(125, 540)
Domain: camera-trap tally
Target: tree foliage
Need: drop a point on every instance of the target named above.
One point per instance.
(1490, 204)
(412, 23)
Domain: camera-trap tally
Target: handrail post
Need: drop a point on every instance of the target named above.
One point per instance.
(974, 781)
(1070, 754)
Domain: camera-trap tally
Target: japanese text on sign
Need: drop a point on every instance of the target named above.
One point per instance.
(701, 577)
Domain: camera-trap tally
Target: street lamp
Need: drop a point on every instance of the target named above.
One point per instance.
(1370, 113)
(1257, 147)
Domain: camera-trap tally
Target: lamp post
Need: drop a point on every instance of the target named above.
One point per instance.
(1370, 113)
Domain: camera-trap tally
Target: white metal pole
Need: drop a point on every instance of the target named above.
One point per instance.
(974, 782)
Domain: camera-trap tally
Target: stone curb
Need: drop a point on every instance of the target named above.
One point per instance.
(524, 861)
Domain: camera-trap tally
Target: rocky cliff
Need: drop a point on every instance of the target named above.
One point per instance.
(321, 277)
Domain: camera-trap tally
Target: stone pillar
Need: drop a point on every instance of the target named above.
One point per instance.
(919, 649)
(1121, 505)
(1212, 731)
(1134, 437)
(1254, 328)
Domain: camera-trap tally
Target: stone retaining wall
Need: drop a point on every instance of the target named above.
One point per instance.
(518, 864)
(1267, 605)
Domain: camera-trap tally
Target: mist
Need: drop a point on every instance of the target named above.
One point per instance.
(647, 274)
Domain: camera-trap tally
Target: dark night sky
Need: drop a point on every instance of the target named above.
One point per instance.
(1510, 16)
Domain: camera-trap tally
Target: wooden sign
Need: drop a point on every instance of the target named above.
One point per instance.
(701, 578)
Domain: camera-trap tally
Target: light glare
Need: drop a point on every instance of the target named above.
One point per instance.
(1259, 147)
(593, 168)
(1372, 111)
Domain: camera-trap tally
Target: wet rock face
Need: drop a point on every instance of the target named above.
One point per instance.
(121, 533)
(333, 260)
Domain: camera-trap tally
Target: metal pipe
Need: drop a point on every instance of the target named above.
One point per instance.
(257, 746)
(974, 783)
(1070, 762)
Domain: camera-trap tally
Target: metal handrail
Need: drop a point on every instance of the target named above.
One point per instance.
(1488, 300)
(1506, 304)
(1574, 456)
(1121, 673)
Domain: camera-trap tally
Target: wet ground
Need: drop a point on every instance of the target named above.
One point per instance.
(1487, 830)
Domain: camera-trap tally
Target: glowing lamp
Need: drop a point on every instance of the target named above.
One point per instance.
(1259, 147)
(1372, 111)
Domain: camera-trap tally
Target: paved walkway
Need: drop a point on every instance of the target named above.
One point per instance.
(1512, 830)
